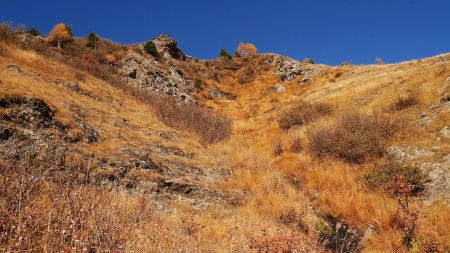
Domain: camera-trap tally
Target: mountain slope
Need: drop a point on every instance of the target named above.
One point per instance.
(101, 149)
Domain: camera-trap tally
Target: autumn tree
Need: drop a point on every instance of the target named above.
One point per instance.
(60, 34)
(246, 49)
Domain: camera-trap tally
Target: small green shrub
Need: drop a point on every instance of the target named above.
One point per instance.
(225, 54)
(150, 48)
(33, 31)
(198, 83)
(92, 40)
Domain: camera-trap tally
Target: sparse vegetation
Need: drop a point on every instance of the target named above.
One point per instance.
(353, 137)
(92, 201)
(303, 114)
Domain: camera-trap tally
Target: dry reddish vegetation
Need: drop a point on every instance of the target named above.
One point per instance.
(353, 137)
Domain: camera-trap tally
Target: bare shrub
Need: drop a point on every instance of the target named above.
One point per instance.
(210, 127)
(296, 145)
(353, 137)
(278, 148)
(303, 113)
(247, 75)
(7, 33)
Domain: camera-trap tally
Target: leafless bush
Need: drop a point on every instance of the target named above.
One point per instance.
(247, 75)
(352, 137)
(278, 148)
(209, 126)
(303, 113)
(296, 145)
(7, 33)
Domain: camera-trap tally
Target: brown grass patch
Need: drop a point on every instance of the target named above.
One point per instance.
(353, 137)
(303, 113)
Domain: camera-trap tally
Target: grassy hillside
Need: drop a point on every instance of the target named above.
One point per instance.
(104, 170)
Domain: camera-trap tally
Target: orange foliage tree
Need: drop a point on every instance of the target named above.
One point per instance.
(246, 48)
(60, 33)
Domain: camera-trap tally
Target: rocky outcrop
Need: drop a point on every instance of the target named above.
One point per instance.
(288, 69)
(151, 75)
(167, 47)
(438, 171)
(441, 107)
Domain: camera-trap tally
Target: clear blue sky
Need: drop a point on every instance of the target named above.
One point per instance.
(329, 31)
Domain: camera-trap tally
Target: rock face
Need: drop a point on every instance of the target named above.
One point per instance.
(167, 47)
(288, 69)
(439, 185)
(439, 108)
(438, 171)
(150, 75)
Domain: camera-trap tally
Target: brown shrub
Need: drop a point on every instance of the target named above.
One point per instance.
(303, 113)
(247, 75)
(278, 148)
(353, 137)
(7, 33)
(403, 103)
(210, 127)
(383, 174)
(296, 145)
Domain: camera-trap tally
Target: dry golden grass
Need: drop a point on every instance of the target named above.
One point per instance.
(278, 198)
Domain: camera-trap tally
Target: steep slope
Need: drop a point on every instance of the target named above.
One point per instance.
(101, 149)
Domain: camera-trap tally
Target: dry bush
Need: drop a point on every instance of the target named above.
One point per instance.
(296, 145)
(353, 136)
(403, 103)
(7, 33)
(278, 148)
(303, 113)
(381, 176)
(246, 75)
(210, 127)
